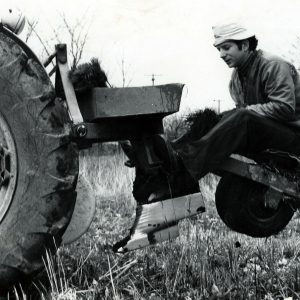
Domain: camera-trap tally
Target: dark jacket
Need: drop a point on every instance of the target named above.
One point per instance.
(268, 85)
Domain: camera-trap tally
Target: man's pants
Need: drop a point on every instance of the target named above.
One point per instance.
(242, 132)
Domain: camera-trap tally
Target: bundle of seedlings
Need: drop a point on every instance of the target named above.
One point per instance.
(87, 76)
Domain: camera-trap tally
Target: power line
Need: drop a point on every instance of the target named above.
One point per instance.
(153, 77)
(219, 105)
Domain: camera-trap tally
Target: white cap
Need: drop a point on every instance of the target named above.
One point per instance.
(230, 31)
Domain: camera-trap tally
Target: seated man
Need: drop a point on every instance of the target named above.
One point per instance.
(266, 91)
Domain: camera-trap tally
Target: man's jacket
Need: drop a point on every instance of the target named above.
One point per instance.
(268, 85)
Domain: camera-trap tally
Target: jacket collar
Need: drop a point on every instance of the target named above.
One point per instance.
(244, 69)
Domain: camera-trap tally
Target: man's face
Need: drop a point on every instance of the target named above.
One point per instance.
(232, 55)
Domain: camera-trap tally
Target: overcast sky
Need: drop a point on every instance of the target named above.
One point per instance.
(170, 38)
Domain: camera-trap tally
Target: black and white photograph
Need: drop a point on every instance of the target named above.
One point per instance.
(149, 150)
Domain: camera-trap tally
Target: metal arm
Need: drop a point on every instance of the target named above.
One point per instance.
(63, 69)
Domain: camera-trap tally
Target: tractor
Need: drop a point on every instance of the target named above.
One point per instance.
(43, 127)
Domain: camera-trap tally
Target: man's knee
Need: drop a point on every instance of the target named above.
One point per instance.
(244, 115)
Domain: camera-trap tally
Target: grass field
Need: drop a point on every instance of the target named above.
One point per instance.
(207, 261)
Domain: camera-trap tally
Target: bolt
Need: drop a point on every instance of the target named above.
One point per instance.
(81, 130)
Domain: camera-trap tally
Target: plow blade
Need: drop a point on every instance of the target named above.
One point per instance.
(157, 222)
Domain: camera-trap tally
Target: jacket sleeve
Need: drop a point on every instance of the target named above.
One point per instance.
(279, 88)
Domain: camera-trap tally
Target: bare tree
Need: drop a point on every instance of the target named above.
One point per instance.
(78, 36)
(32, 25)
(175, 125)
(292, 54)
(75, 35)
(31, 29)
(125, 69)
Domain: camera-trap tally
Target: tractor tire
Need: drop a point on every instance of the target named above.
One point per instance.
(38, 164)
(241, 206)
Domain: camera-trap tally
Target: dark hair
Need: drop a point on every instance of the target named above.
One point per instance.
(252, 43)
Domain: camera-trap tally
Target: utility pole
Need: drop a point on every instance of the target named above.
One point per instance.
(153, 77)
(219, 105)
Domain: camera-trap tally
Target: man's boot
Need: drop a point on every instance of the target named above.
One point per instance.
(169, 180)
(180, 180)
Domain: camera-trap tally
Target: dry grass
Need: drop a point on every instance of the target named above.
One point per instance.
(207, 261)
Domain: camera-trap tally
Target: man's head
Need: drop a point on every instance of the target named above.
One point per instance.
(235, 43)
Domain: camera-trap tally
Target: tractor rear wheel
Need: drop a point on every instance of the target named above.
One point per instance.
(241, 204)
(38, 164)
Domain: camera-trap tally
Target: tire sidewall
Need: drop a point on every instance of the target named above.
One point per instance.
(232, 207)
